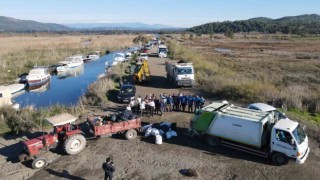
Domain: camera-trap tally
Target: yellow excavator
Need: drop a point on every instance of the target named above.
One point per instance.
(142, 72)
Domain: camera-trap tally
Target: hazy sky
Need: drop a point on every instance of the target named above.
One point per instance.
(181, 13)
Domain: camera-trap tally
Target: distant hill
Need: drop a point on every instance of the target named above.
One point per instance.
(119, 26)
(8, 24)
(303, 24)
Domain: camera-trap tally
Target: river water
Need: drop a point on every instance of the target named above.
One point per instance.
(65, 89)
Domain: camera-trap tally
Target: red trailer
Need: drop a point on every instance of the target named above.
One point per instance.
(101, 126)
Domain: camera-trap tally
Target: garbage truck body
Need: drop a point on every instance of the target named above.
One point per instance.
(251, 131)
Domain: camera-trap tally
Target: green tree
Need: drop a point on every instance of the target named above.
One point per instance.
(228, 33)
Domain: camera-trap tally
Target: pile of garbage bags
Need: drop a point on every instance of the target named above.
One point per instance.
(160, 130)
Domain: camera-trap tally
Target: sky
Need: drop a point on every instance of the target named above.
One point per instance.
(178, 13)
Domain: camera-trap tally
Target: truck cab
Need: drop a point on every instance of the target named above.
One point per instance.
(288, 138)
(184, 74)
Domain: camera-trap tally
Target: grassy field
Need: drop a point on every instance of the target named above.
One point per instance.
(256, 68)
(19, 53)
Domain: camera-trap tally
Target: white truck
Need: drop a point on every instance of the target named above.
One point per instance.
(162, 51)
(251, 131)
(180, 73)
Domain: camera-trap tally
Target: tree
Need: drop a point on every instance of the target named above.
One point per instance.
(140, 39)
(191, 37)
(228, 33)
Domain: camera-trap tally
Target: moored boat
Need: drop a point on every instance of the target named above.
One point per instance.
(38, 75)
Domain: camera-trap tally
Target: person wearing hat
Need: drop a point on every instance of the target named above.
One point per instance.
(108, 168)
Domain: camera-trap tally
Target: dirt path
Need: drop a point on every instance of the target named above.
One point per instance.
(142, 159)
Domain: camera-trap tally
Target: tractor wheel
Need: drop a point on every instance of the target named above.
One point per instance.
(74, 144)
(39, 163)
(131, 134)
(279, 159)
(213, 141)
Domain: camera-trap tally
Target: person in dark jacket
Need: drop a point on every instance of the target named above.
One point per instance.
(176, 102)
(108, 168)
(169, 103)
(184, 102)
(190, 103)
(197, 103)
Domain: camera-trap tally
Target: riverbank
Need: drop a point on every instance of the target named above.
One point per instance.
(46, 49)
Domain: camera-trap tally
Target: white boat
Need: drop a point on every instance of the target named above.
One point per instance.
(14, 88)
(62, 66)
(92, 56)
(5, 98)
(119, 57)
(38, 75)
(74, 61)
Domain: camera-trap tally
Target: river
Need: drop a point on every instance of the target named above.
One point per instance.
(65, 89)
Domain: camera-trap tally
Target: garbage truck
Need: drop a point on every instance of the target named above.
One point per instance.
(180, 73)
(251, 131)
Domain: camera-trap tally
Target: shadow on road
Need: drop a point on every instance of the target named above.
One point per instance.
(64, 174)
(197, 143)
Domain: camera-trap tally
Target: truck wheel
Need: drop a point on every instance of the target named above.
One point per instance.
(279, 159)
(74, 144)
(39, 163)
(213, 141)
(131, 134)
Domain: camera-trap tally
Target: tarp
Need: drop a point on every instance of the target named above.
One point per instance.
(61, 119)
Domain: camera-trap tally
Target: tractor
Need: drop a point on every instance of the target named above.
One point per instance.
(65, 132)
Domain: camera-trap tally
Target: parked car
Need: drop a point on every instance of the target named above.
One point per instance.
(126, 93)
(267, 108)
(142, 56)
(148, 47)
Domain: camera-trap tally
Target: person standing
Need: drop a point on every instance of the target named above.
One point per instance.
(108, 168)
(169, 103)
(157, 104)
(184, 102)
(142, 107)
(190, 103)
(176, 102)
(202, 101)
(151, 105)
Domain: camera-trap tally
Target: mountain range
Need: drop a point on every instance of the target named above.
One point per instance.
(8, 24)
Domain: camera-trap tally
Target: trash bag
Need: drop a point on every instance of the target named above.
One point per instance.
(144, 128)
(165, 124)
(168, 135)
(161, 132)
(156, 125)
(173, 126)
(173, 133)
(148, 132)
(155, 132)
(158, 139)
(165, 128)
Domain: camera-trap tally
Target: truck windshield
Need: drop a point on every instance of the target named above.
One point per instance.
(163, 50)
(299, 134)
(185, 71)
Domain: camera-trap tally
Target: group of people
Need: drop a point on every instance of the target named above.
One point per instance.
(152, 104)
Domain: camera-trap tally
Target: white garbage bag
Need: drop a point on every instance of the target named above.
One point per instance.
(158, 139)
(168, 135)
(148, 132)
(155, 132)
(173, 133)
(144, 128)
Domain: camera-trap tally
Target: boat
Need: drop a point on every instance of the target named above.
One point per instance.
(119, 57)
(62, 66)
(40, 87)
(92, 56)
(14, 88)
(5, 98)
(71, 72)
(38, 75)
(74, 61)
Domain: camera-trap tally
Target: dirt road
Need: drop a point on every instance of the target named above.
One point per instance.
(143, 159)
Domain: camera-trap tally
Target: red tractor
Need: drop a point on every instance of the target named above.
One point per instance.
(65, 132)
